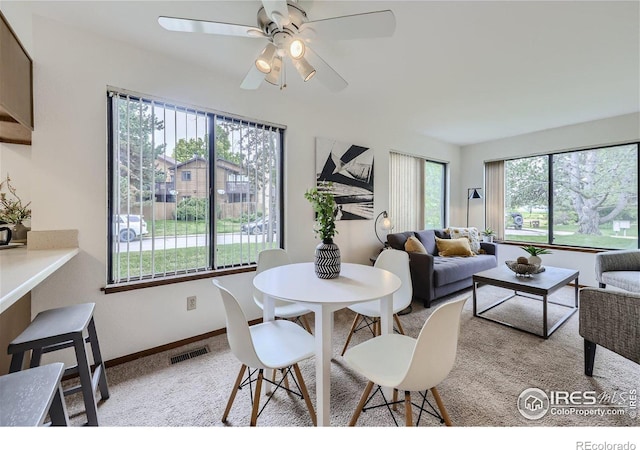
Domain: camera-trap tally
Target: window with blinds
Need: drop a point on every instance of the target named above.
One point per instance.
(417, 192)
(190, 190)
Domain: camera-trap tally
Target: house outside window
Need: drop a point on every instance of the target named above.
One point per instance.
(584, 198)
(160, 171)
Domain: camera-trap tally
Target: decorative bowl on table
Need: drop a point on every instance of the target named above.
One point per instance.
(525, 270)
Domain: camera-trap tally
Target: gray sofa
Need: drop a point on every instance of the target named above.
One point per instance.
(434, 276)
(619, 268)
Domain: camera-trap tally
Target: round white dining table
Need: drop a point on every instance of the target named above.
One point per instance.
(299, 283)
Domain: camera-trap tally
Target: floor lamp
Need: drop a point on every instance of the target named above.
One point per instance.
(470, 195)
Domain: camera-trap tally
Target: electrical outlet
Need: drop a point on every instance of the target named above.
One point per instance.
(191, 302)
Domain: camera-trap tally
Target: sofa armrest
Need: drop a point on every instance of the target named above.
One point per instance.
(421, 267)
(616, 260)
(490, 248)
(610, 319)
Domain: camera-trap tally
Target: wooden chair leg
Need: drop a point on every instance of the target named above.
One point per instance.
(407, 409)
(305, 323)
(398, 324)
(443, 410)
(234, 391)
(353, 327)
(305, 394)
(256, 400)
(363, 400)
(395, 400)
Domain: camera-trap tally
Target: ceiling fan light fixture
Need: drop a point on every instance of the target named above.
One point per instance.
(273, 77)
(296, 49)
(265, 60)
(305, 69)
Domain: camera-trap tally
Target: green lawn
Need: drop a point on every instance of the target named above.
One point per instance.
(183, 227)
(607, 239)
(182, 259)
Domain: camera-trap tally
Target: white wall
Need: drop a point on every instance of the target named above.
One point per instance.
(67, 173)
(614, 130)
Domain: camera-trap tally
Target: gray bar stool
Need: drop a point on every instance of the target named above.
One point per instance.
(29, 395)
(59, 328)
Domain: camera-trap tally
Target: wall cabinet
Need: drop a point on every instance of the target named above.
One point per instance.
(16, 88)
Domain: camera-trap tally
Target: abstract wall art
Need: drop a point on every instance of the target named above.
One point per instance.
(349, 168)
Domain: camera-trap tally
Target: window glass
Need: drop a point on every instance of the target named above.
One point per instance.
(594, 201)
(595, 198)
(526, 199)
(434, 194)
(172, 202)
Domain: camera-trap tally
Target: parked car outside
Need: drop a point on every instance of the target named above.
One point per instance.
(259, 226)
(128, 227)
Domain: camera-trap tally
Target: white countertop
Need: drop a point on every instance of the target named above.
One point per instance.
(21, 270)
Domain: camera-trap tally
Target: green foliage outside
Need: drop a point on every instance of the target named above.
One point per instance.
(192, 209)
(591, 190)
(171, 260)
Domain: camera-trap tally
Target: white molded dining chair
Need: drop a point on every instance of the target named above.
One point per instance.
(397, 262)
(412, 365)
(268, 259)
(273, 345)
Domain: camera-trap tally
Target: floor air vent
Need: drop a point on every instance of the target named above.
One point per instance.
(188, 355)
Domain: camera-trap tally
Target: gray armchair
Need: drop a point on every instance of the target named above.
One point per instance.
(610, 319)
(619, 268)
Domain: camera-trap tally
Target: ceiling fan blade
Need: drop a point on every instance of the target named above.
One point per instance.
(325, 73)
(278, 11)
(204, 26)
(358, 26)
(253, 79)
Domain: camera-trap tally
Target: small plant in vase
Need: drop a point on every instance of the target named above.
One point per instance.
(534, 253)
(12, 211)
(488, 234)
(327, 253)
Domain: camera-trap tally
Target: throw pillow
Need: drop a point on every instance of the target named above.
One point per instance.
(413, 245)
(454, 247)
(471, 233)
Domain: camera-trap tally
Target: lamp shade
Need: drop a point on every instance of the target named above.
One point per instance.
(296, 49)
(273, 77)
(265, 60)
(305, 69)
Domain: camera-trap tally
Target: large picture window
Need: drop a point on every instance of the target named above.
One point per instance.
(585, 198)
(182, 179)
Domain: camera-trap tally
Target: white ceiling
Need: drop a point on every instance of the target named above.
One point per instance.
(461, 72)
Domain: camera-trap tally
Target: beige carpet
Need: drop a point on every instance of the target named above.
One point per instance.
(494, 365)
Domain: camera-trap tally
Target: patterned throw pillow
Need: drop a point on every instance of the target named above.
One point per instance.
(470, 233)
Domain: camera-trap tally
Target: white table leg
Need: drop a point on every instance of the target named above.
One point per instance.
(323, 329)
(268, 314)
(386, 314)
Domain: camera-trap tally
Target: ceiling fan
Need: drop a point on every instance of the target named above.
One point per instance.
(284, 24)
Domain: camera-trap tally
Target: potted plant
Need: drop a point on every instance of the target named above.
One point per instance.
(12, 211)
(487, 235)
(535, 252)
(327, 253)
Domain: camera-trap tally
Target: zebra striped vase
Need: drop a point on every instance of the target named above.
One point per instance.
(327, 260)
